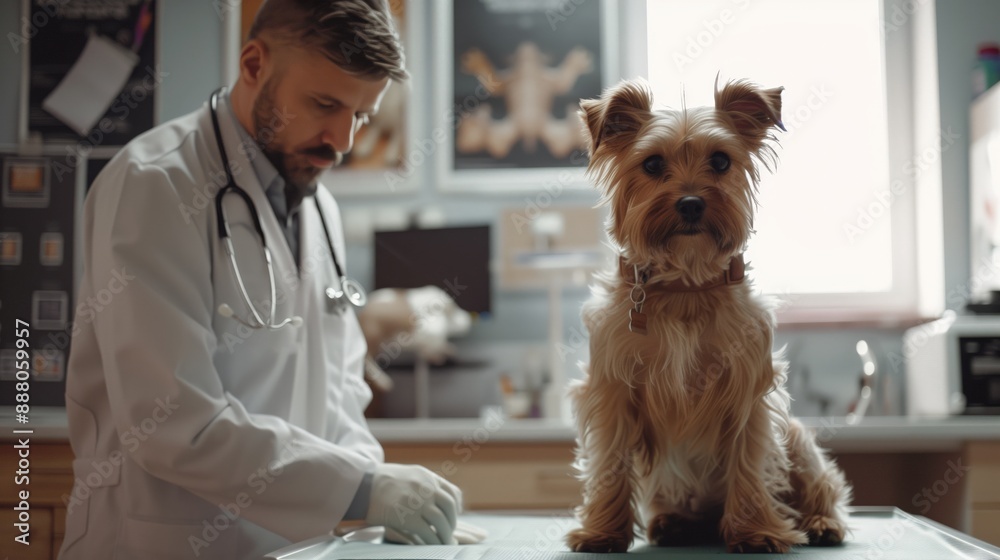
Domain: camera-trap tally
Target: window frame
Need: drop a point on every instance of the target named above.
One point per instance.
(907, 300)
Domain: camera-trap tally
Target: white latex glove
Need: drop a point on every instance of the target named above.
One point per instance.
(414, 502)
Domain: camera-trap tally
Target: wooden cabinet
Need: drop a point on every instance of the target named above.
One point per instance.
(502, 475)
(50, 478)
(536, 476)
(41, 545)
(983, 461)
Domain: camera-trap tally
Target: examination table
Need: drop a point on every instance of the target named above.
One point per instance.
(876, 534)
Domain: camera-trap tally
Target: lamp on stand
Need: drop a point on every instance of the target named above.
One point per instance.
(560, 267)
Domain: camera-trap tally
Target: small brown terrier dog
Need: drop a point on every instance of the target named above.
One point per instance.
(683, 419)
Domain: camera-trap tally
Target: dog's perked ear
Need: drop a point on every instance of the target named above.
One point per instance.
(620, 111)
(750, 109)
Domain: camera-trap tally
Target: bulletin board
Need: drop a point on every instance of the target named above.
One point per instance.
(88, 58)
(38, 212)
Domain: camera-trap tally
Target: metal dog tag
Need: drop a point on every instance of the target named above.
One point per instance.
(636, 322)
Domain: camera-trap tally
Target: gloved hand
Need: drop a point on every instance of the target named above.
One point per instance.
(414, 502)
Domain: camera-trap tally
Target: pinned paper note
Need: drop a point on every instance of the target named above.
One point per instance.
(92, 84)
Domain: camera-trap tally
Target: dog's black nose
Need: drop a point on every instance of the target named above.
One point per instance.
(691, 208)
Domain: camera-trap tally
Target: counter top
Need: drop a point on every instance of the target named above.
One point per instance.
(873, 434)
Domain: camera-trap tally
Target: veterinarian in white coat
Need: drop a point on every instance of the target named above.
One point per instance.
(196, 436)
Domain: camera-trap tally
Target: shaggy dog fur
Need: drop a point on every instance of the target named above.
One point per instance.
(683, 419)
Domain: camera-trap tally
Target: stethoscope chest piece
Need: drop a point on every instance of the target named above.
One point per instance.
(350, 292)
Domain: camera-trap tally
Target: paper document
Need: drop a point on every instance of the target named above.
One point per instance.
(87, 90)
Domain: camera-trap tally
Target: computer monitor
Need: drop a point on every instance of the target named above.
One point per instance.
(455, 259)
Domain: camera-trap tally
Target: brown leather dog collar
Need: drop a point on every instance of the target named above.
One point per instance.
(734, 275)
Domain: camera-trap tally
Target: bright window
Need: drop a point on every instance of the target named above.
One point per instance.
(827, 217)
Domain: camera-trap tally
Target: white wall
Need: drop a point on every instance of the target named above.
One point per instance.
(192, 56)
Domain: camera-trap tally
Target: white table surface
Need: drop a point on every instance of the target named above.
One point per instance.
(876, 532)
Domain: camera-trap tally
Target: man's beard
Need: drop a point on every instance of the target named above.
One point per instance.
(293, 168)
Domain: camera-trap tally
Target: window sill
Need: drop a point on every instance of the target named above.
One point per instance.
(789, 319)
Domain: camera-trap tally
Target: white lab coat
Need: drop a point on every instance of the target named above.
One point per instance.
(196, 437)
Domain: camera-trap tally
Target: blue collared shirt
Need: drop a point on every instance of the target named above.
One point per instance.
(274, 187)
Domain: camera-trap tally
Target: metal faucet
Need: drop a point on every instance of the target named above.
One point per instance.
(869, 367)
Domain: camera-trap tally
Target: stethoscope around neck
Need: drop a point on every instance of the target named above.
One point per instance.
(337, 300)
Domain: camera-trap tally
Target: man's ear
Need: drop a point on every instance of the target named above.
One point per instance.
(750, 109)
(253, 58)
(618, 114)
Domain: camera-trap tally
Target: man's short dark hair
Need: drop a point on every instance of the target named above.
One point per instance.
(356, 35)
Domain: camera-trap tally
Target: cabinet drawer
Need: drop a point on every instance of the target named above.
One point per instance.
(58, 527)
(984, 478)
(500, 475)
(986, 525)
(517, 486)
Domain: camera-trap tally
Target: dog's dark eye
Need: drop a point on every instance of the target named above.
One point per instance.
(719, 162)
(654, 165)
